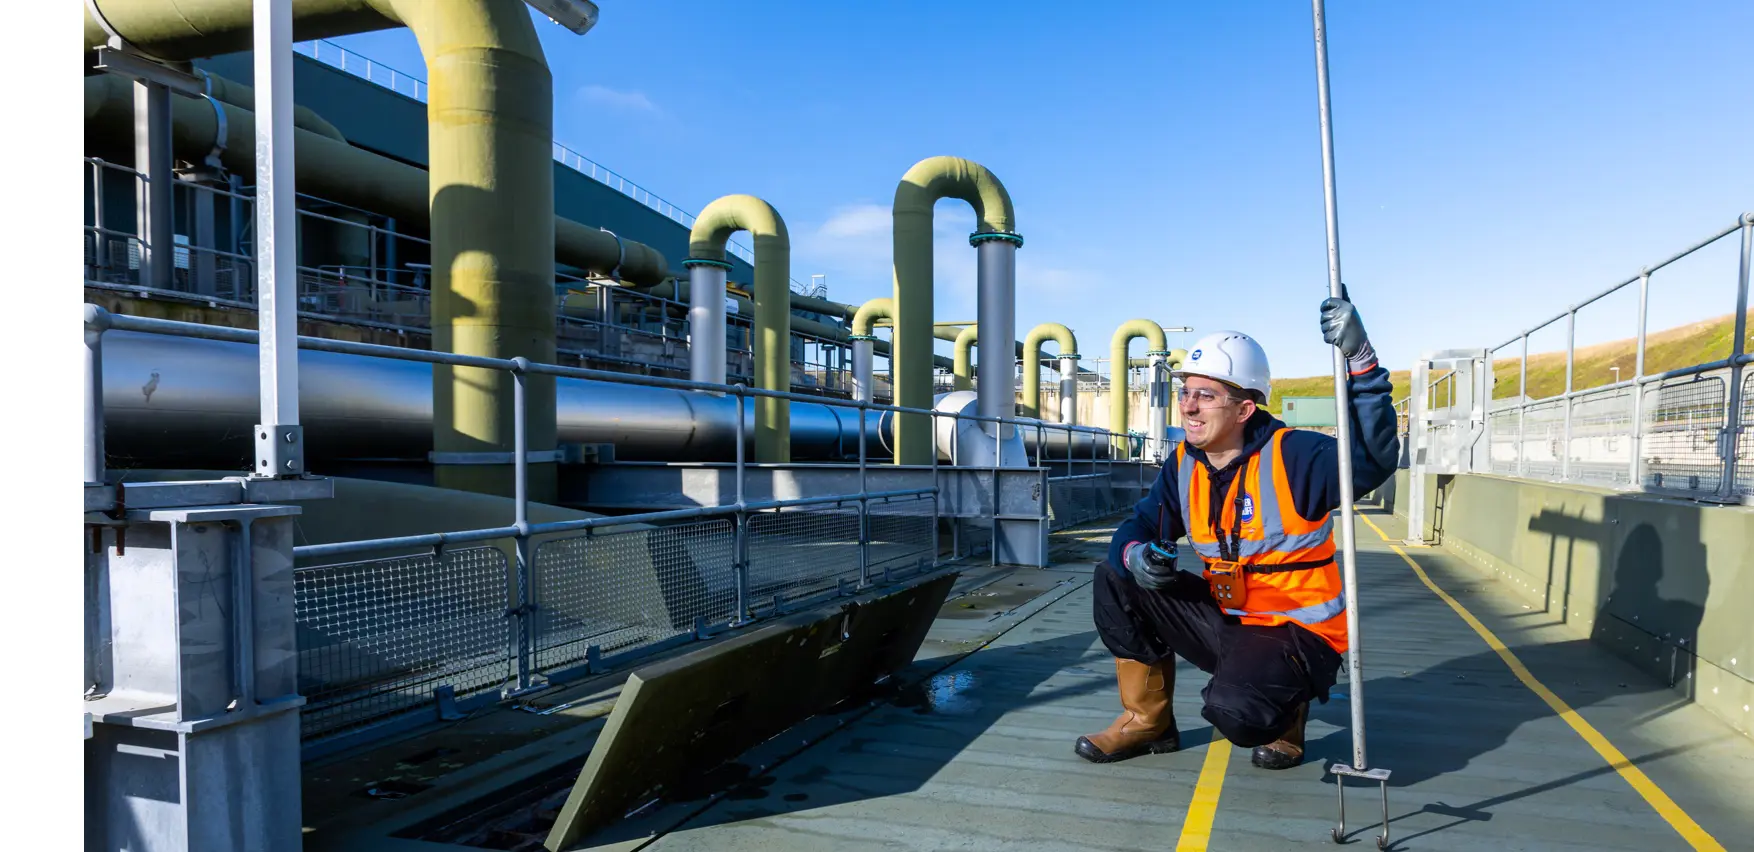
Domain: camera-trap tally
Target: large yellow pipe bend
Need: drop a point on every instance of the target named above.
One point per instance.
(964, 360)
(1032, 360)
(1117, 377)
(773, 306)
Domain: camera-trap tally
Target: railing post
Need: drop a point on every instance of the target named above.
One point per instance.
(96, 321)
(523, 604)
(1522, 411)
(1636, 444)
(1727, 489)
(740, 528)
(279, 439)
(1570, 353)
(864, 507)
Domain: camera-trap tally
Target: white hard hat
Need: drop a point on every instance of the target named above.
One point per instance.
(1231, 357)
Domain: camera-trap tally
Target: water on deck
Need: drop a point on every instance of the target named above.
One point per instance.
(980, 757)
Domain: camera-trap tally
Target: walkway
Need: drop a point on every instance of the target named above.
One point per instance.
(983, 760)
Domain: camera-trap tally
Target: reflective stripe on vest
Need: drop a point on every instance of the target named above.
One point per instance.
(1312, 614)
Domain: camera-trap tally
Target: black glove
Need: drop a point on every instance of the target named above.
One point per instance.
(1341, 327)
(1152, 565)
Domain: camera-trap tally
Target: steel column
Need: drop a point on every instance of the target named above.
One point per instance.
(152, 192)
(279, 439)
(1636, 467)
(1069, 391)
(1570, 356)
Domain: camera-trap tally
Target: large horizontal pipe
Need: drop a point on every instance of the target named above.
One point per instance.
(339, 172)
(173, 402)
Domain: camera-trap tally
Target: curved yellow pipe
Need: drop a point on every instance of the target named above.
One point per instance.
(1032, 360)
(773, 306)
(921, 187)
(964, 369)
(1117, 378)
(866, 318)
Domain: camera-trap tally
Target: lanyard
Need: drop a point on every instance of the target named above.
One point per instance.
(1230, 542)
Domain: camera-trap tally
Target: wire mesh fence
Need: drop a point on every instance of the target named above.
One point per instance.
(1600, 447)
(619, 591)
(902, 535)
(1684, 419)
(377, 637)
(800, 553)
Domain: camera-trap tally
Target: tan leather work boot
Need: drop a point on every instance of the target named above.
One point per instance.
(1147, 725)
(1287, 751)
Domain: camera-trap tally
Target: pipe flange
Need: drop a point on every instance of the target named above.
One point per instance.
(1064, 355)
(701, 261)
(858, 337)
(976, 239)
(1155, 352)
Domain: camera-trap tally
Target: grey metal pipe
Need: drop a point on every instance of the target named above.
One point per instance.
(864, 359)
(996, 274)
(1069, 390)
(97, 320)
(1157, 409)
(706, 320)
(174, 402)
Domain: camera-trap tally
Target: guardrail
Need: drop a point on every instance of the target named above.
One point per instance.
(389, 631)
(1675, 431)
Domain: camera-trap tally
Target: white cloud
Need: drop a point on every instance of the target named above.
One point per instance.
(858, 220)
(630, 101)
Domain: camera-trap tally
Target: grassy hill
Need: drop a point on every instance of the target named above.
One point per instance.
(1670, 349)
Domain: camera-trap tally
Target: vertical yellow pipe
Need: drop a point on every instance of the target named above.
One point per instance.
(490, 132)
(964, 369)
(1117, 377)
(773, 306)
(1032, 360)
(922, 186)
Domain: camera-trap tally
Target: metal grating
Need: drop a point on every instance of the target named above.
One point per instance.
(903, 534)
(375, 638)
(802, 552)
(623, 590)
(1683, 422)
(1601, 444)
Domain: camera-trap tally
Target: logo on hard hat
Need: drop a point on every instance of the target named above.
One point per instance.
(1248, 508)
(1195, 356)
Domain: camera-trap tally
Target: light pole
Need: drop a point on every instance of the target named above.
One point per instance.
(1616, 370)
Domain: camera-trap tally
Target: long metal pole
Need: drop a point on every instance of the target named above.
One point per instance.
(1348, 549)
(279, 440)
(1634, 475)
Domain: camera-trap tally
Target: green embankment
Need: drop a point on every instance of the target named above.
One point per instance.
(1671, 349)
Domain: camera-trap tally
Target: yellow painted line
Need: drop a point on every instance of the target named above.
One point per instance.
(1197, 828)
(1665, 807)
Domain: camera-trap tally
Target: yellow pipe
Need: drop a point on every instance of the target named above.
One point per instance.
(964, 369)
(1117, 379)
(920, 188)
(773, 306)
(1032, 360)
(870, 314)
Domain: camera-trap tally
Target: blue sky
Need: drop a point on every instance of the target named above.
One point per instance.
(1497, 160)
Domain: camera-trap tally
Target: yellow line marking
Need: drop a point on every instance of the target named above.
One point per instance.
(1197, 828)
(1665, 807)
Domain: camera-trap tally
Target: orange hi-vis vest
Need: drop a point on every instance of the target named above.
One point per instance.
(1290, 572)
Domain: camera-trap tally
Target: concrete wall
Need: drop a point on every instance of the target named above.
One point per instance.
(1667, 584)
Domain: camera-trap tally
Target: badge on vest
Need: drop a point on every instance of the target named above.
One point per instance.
(1229, 583)
(1248, 508)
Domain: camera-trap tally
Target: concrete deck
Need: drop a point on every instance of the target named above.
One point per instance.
(981, 757)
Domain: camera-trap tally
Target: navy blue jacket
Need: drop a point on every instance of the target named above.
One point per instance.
(1311, 463)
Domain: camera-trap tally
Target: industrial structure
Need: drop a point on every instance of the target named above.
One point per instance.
(471, 440)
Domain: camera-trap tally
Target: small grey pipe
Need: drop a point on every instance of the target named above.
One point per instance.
(1069, 392)
(706, 320)
(996, 256)
(864, 358)
(1157, 412)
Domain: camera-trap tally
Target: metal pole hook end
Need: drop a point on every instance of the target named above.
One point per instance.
(1379, 775)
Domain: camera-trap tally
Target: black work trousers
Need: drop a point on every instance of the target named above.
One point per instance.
(1260, 675)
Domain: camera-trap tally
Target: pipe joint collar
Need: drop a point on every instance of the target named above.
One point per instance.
(858, 337)
(1156, 352)
(1064, 355)
(979, 237)
(701, 261)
